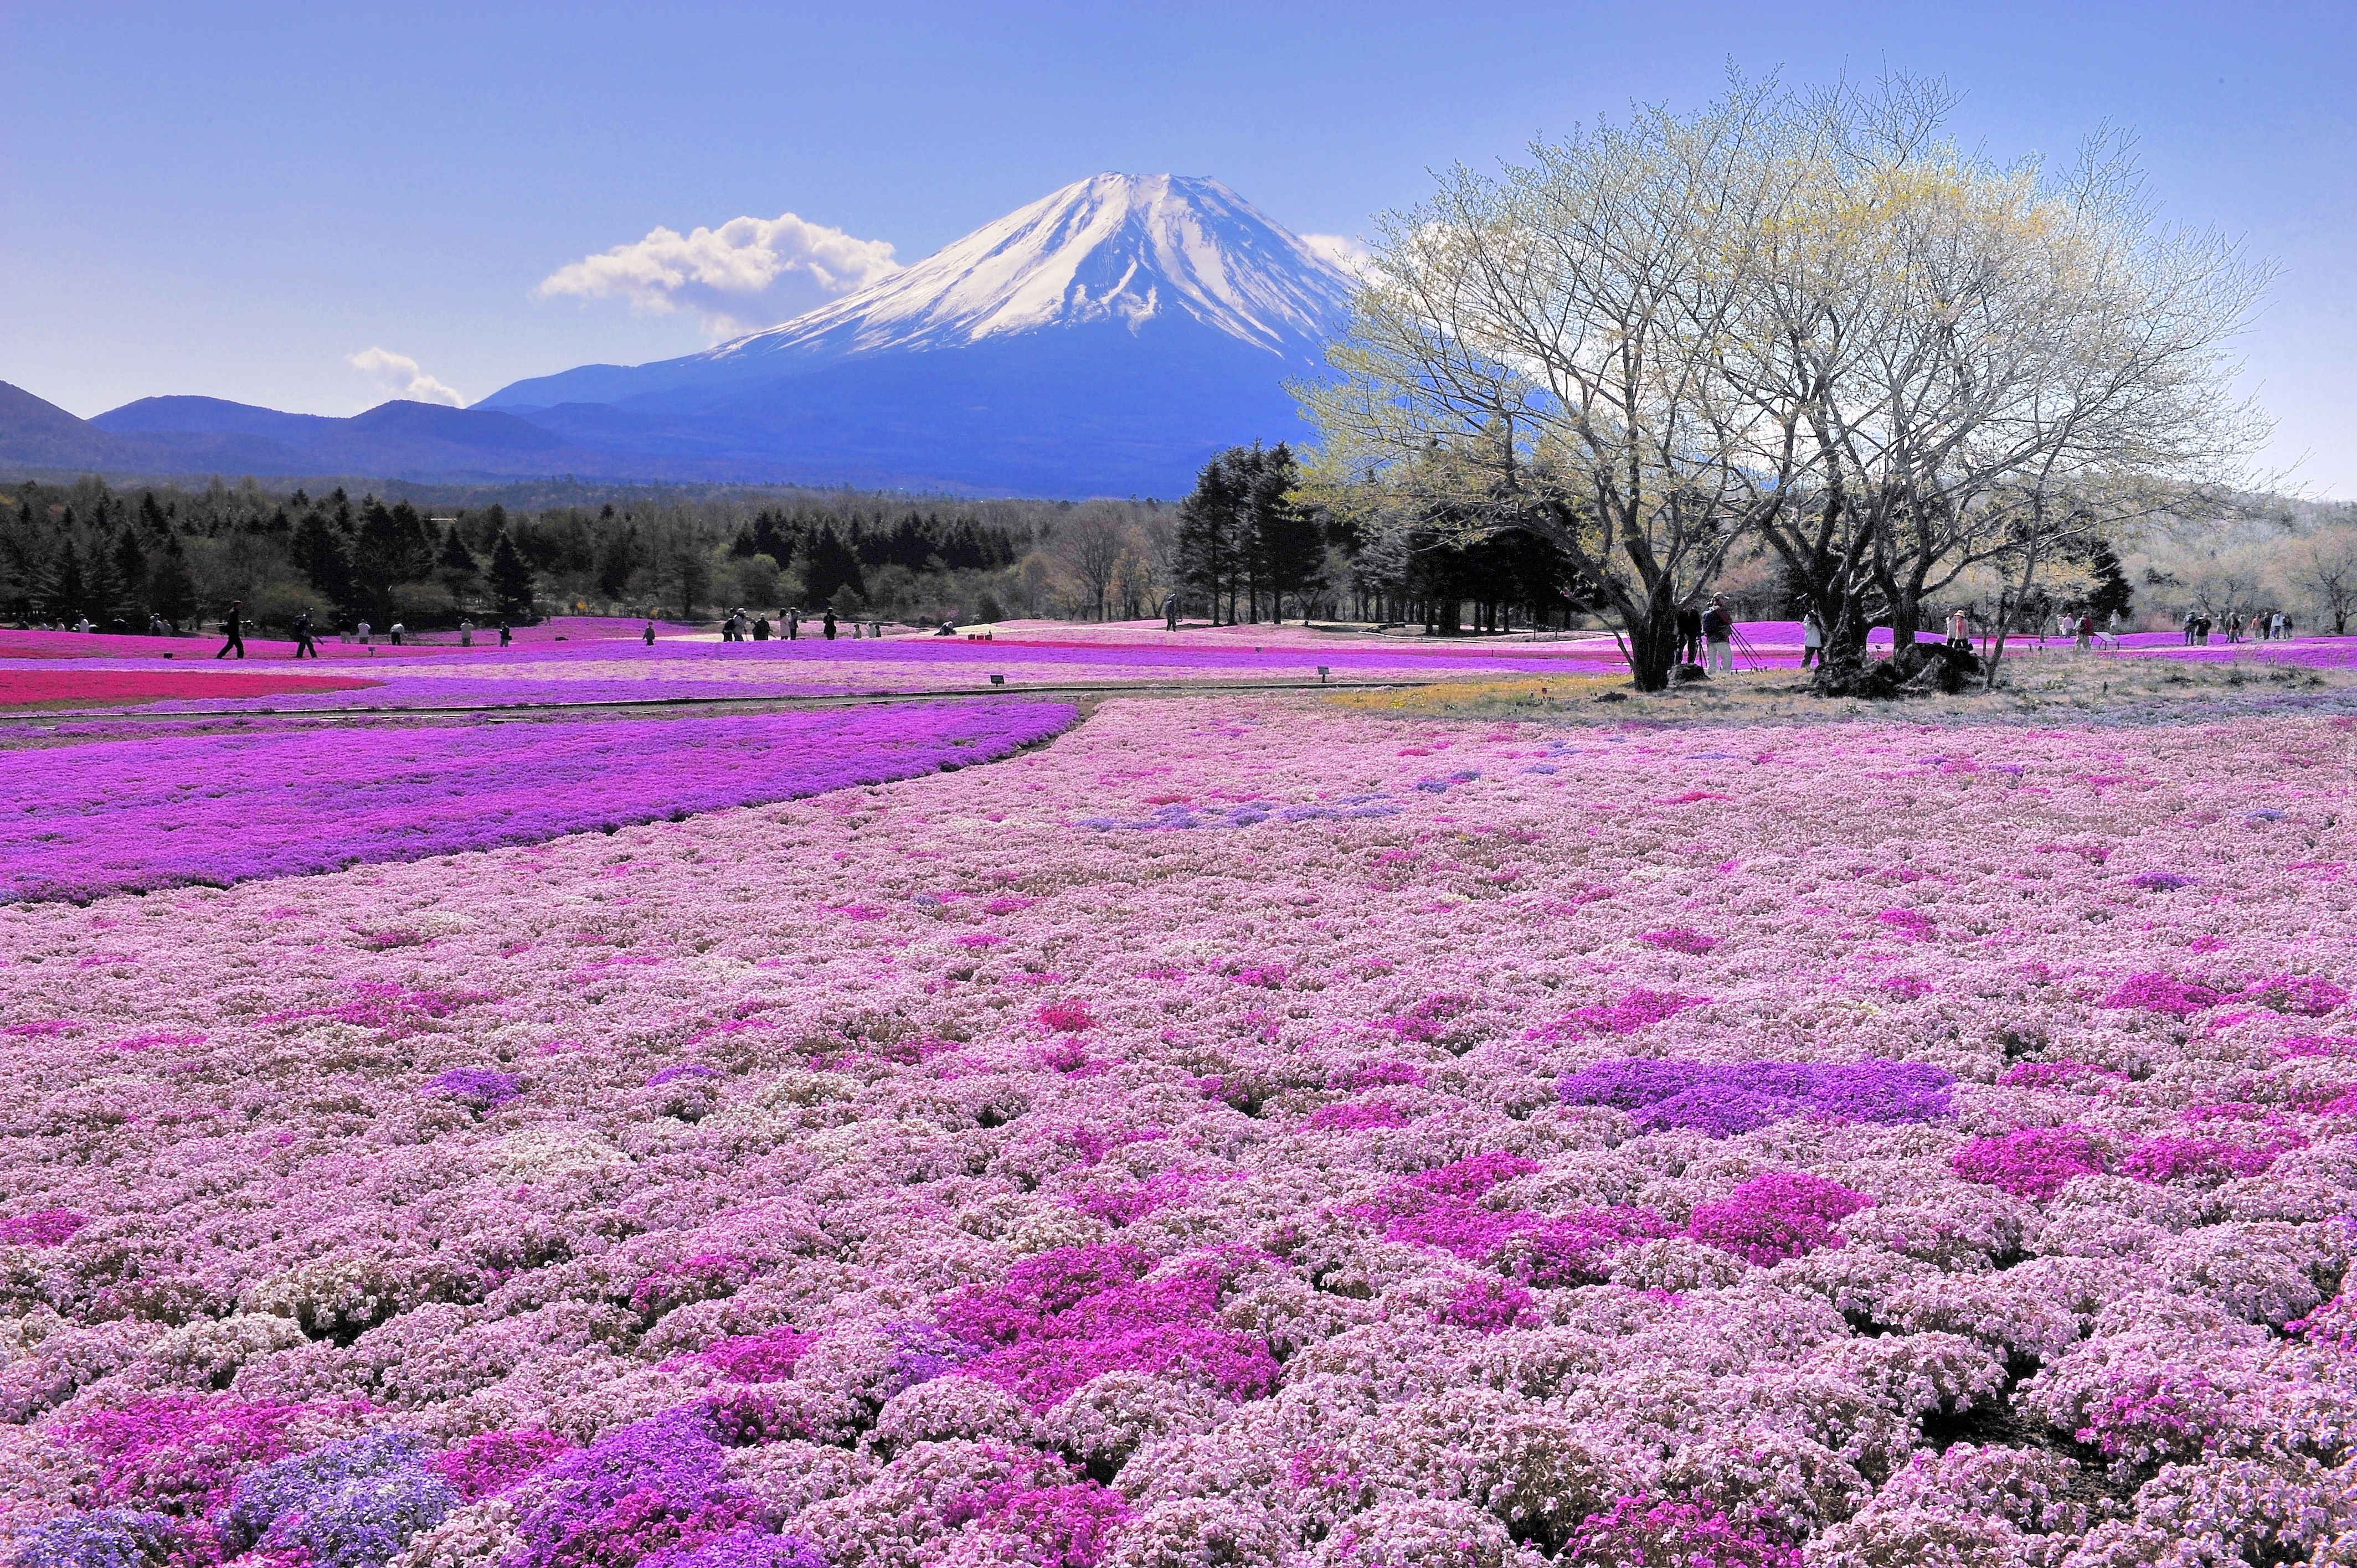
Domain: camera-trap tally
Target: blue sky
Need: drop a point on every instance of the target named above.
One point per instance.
(237, 200)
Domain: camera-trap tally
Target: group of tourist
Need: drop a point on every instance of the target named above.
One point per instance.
(2271, 627)
(1706, 636)
(307, 645)
(738, 627)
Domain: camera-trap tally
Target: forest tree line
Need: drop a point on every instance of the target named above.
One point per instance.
(1253, 542)
(121, 558)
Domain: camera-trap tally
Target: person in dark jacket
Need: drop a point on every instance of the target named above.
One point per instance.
(234, 629)
(830, 626)
(1717, 635)
(303, 643)
(1689, 635)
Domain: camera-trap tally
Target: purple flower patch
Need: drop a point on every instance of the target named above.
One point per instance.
(476, 1088)
(1726, 1099)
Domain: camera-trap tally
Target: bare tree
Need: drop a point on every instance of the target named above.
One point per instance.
(1989, 366)
(1540, 353)
(2324, 567)
(1799, 317)
(1091, 547)
(1135, 583)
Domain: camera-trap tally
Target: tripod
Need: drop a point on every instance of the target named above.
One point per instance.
(1743, 646)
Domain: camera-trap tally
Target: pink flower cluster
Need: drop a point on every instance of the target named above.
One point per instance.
(911, 1175)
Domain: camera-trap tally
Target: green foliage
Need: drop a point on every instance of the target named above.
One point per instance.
(512, 584)
(426, 556)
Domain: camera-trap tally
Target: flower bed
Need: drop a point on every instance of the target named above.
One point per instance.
(913, 1175)
(93, 688)
(129, 815)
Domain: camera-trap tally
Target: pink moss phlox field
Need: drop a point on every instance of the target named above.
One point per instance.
(914, 1175)
(134, 815)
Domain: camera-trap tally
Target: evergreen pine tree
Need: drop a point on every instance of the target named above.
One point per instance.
(831, 567)
(2113, 590)
(130, 569)
(171, 592)
(512, 584)
(1210, 530)
(324, 557)
(772, 538)
(618, 559)
(455, 565)
(68, 591)
(1288, 545)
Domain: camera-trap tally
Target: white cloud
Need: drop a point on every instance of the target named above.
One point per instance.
(399, 374)
(1351, 255)
(749, 273)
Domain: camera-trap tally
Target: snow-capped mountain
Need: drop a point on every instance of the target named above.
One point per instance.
(1121, 249)
(1102, 340)
(1106, 336)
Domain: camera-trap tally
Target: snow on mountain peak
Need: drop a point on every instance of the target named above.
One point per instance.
(1115, 248)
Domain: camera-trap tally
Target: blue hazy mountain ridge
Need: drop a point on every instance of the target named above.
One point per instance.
(1105, 339)
(209, 435)
(210, 416)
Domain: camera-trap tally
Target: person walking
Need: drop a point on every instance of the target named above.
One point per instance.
(1170, 612)
(234, 630)
(1719, 634)
(650, 633)
(830, 626)
(1813, 639)
(363, 630)
(794, 624)
(2086, 637)
(2189, 619)
(303, 643)
(760, 629)
(506, 635)
(1689, 635)
(466, 634)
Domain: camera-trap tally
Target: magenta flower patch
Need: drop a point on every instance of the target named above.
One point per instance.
(1784, 1214)
(41, 1228)
(1636, 1010)
(2035, 1163)
(491, 1461)
(2159, 993)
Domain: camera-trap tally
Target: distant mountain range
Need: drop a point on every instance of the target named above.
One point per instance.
(1102, 340)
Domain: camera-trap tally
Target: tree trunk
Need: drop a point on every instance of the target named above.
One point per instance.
(1841, 668)
(1652, 631)
(1906, 620)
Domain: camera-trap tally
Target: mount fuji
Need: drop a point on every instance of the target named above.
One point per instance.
(1105, 339)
